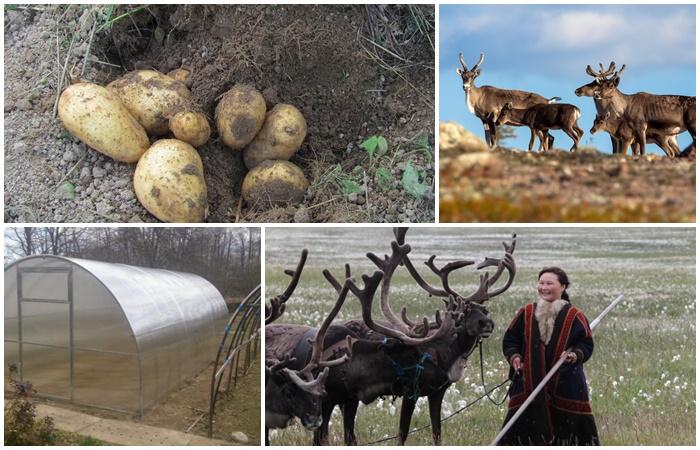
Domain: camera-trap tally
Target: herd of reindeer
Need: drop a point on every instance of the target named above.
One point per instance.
(309, 371)
(630, 119)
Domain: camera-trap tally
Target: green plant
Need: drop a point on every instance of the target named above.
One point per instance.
(384, 178)
(374, 144)
(21, 426)
(414, 182)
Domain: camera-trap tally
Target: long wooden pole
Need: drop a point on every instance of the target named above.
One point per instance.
(549, 375)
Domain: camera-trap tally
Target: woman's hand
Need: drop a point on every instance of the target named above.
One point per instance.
(517, 364)
(571, 357)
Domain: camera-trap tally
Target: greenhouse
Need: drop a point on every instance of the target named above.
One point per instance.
(108, 335)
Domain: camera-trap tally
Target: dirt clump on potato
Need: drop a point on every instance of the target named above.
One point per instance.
(240, 115)
(274, 183)
(152, 98)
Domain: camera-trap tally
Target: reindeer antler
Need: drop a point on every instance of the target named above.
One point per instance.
(506, 263)
(317, 347)
(366, 296)
(277, 304)
(464, 64)
(603, 73)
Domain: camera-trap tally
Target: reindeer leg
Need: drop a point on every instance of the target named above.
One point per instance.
(573, 134)
(487, 132)
(615, 144)
(321, 434)
(494, 134)
(407, 407)
(550, 141)
(641, 135)
(532, 140)
(435, 405)
(349, 413)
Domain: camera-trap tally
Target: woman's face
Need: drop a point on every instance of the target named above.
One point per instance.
(549, 288)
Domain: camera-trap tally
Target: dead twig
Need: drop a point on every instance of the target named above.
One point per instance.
(87, 52)
(63, 75)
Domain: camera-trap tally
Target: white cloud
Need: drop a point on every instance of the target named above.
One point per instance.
(639, 39)
(579, 30)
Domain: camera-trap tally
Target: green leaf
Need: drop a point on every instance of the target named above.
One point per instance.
(384, 179)
(348, 186)
(412, 183)
(65, 135)
(382, 145)
(67, 190)
(370, 144)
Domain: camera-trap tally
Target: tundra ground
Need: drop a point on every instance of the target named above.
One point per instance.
(478, 184)
(641, 375)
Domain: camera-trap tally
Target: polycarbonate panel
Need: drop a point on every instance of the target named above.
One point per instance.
(107, 380)
(161, 306)
(45, 286)
(46, 323)
(47, 368)
(11, 322)
(11, 357)
(149, 379)
(98, 320)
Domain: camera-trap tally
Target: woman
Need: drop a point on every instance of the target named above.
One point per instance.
(536, 338)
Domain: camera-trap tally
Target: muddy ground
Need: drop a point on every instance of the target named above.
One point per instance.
(510, 185)
(329, 61)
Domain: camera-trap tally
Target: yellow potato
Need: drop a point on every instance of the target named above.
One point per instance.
(183, 74)
(274, 183)
(96, 116)
(169, 182)
(240, 115)
(280, 137)
(152, 98)
(191, 127)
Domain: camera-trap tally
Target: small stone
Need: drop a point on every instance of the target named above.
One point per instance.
(135, 219)
(85, 173)
(19, 146)
(98, 172)
(239, 437)
(68, 156)
(302, 215)
(360, 200)
(123, 182)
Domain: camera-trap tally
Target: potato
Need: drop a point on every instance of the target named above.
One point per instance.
(240, 115)
(96, 116)
(274, 183)
(169, 182)
(152, 98)
(280, 137)
(183, 74)
(191, 127)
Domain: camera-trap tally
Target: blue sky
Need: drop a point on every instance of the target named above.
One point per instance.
(546, 48)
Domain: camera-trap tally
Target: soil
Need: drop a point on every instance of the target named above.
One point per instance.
(478, 184)
(237, 411)
(313, 57)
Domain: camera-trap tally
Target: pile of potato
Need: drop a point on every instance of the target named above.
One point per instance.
(268, 140)
(117, 121)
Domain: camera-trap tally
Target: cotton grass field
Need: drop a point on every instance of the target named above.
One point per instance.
(641, 374)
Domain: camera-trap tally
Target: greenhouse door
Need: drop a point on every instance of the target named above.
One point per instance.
(44, 296)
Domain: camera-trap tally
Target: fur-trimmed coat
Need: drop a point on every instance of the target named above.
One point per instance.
(561, 413)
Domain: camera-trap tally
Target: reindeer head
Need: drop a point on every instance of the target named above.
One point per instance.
(299, 393)
(468, 76)
(603, 80)
(600, 123)
(295, 396)
(504, 114)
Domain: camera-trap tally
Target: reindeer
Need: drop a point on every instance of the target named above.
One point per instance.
(620, 130)
(293, 393)
(544, 117)
(642, 110)
(399, 357)
(486, 101)
(663, 137)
